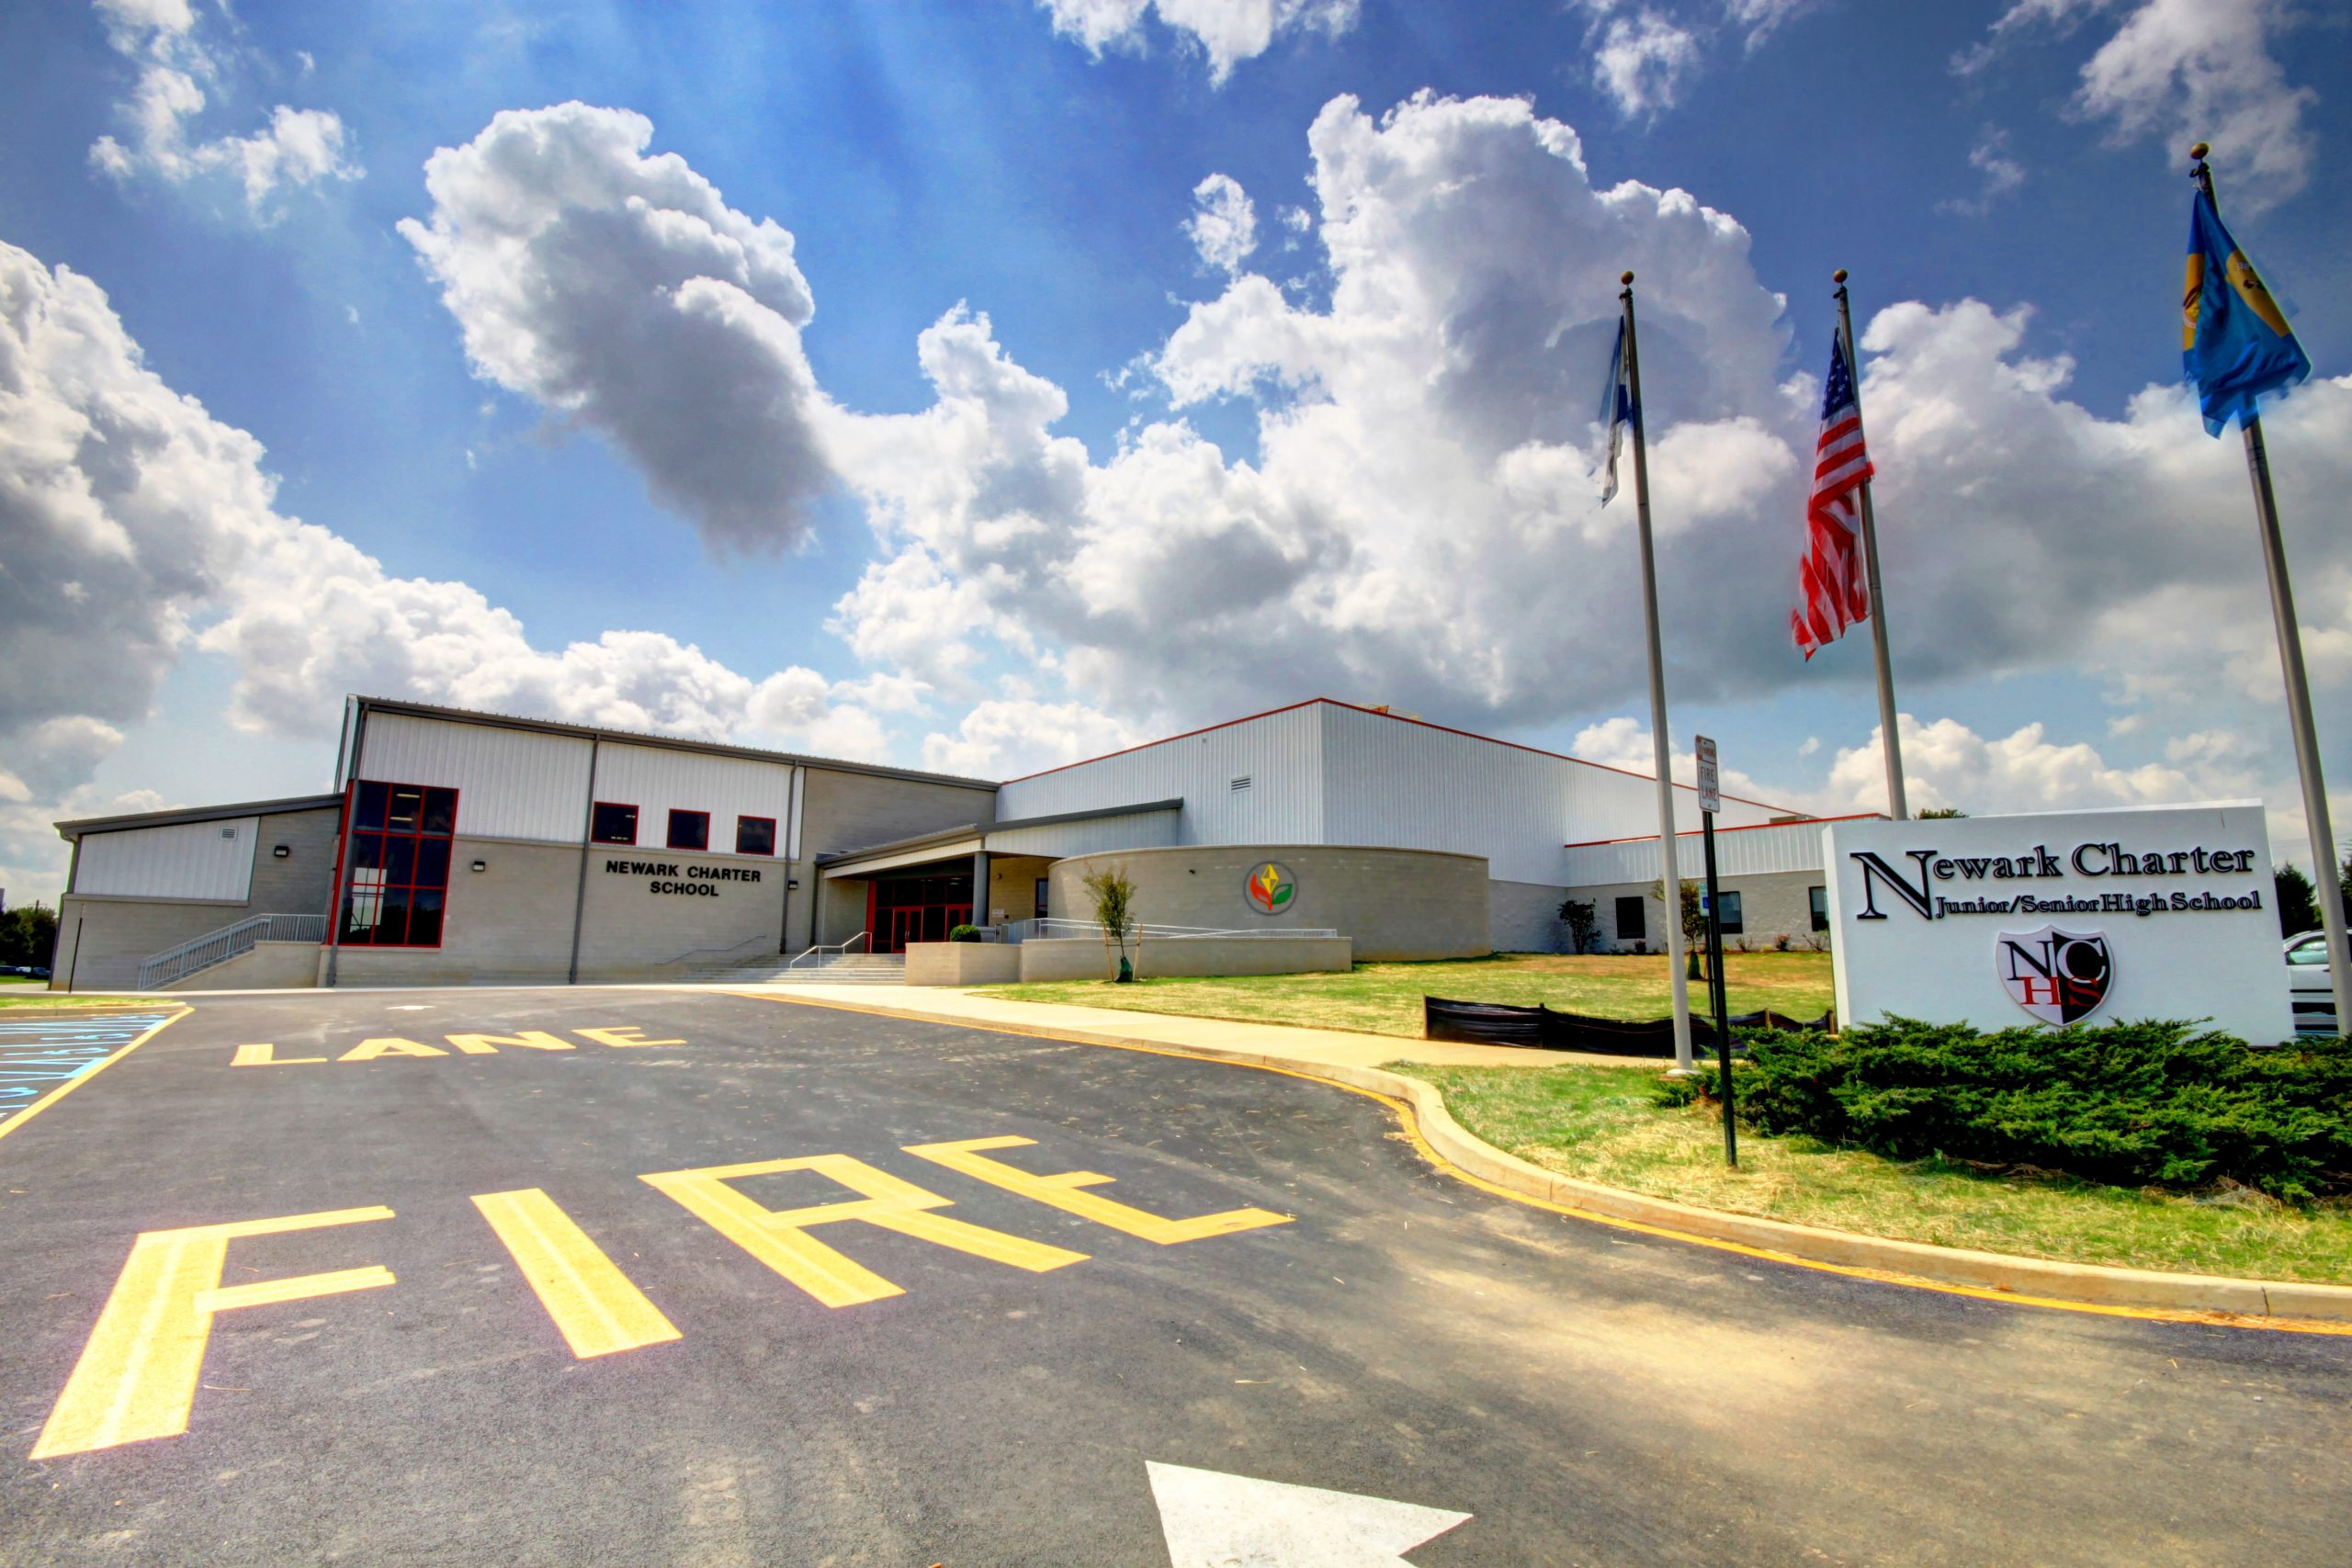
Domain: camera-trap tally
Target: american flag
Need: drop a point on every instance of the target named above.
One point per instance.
(1833, 593)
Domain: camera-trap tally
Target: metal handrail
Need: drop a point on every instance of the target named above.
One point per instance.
(1014, 932)
(838, 949)
(722, 952)
(218, 947)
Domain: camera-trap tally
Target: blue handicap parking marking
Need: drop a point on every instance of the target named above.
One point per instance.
(36, 1055)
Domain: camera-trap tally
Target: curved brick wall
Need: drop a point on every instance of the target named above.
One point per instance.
(1395, 904)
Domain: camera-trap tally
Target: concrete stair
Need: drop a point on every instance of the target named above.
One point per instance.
(841, 969)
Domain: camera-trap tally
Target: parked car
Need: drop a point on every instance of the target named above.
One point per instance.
(2307, 984)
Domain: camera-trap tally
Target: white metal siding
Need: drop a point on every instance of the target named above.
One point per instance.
(1280, 753)
(1142, 831)
(1750, 852)
(657, 781)
(1393, 782)
(185, 860)
(511, 784)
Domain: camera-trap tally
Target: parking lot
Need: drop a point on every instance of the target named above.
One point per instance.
(632, 1276)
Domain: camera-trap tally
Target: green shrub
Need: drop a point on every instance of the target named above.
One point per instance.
(964, 934)
(2147, 1104)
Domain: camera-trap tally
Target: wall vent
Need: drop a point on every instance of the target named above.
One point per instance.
(1240, 784)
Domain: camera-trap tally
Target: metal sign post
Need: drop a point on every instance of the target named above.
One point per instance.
(1711, 800)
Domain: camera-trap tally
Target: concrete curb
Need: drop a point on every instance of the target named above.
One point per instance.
(2027, 1280)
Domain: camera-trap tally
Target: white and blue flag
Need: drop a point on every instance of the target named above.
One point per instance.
(1618, 412)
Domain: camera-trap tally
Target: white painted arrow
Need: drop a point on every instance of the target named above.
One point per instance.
(1215, 1520)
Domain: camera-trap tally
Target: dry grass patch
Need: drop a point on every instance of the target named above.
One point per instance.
(1602, 1124)
(1386, 998)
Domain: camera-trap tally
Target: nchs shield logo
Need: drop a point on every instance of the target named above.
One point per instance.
(2058, 976)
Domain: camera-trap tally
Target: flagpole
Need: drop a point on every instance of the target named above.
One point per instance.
(1670, 880)
(2326, 874)
(1889, 728)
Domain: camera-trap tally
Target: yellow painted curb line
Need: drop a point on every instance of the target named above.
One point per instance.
(2288, 1306)
(78, 1079)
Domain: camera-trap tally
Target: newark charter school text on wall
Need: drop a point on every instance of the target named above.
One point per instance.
(699, 877)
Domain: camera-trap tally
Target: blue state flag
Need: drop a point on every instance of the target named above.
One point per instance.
(2236, 342)
(1618, 411)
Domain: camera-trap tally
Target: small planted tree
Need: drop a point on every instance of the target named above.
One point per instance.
(1694, 926)
(1114, 895)
(1583, 922)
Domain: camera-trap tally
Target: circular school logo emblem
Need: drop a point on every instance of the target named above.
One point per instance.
(1269, 887)
(2059, 977)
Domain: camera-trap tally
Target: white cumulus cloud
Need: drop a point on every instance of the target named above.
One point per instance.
(136, 529)
(2183, 71)
(1226, 31)
(622, 293)
(295, 147)
(1224, 224)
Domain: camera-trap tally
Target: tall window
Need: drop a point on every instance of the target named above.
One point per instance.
(1728, 908)
(611, 824)
(1633, 920)
(1818, 898)
(690, 830)
(755, 835)
(398, 876)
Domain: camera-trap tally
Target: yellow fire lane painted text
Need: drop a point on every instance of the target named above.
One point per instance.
(137, 1376)
(264, 1055)
(1060, 1191)
(595, 1306)
(779, 1237)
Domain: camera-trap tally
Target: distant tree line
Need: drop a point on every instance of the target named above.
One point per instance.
(28, 936)
(2299, 900)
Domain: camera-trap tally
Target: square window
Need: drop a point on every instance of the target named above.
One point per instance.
(755, 835)
(425, 918)
(1818, 898)
(440, 811)
(689, 830)
(614, 824)
(403, 807)
(367, 854)
(432, 863)
(368, 810)
(1633, 919)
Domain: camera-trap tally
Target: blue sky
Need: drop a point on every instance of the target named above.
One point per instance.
(1395, 503)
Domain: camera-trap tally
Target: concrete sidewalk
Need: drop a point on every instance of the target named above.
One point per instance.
(1271, 1041)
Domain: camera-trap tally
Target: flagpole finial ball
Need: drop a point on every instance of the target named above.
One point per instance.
(1837, 277)
(1625, 277)
(2198, 151)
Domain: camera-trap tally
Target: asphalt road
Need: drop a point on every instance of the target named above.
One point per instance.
(1584, 1394)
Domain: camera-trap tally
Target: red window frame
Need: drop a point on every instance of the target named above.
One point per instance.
(671, 839)
(635, 817)
(740, 850)
(391, 875)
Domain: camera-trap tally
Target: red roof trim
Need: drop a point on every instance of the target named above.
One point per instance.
(1376, 713)
(1745, 827)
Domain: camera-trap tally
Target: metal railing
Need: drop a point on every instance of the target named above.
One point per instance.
(218, 947)
(824, 952)
(1051, 928)
(722, 955)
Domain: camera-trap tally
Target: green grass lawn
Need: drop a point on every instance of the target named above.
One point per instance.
(1386, 998)
(1601, 1124)
(18, 992)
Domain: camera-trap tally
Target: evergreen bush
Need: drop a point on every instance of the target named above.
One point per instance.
(2155, 1103)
